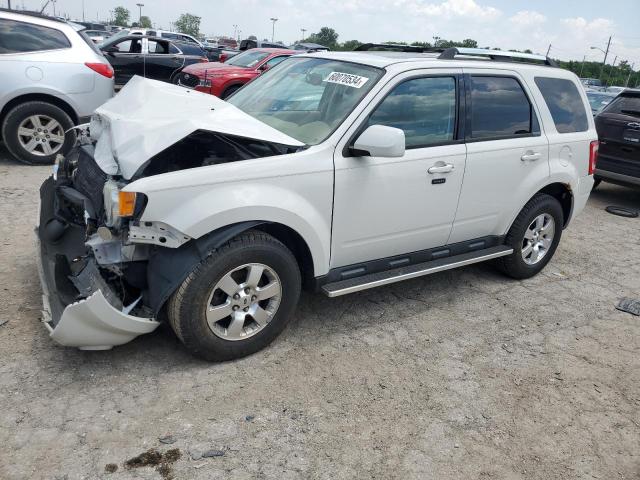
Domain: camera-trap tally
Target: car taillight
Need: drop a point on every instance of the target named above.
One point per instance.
(222, 58)
(103, 69)
(593, 156)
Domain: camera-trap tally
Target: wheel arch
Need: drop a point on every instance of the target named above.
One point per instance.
(167, 267)
(38, 97)
(564, 194)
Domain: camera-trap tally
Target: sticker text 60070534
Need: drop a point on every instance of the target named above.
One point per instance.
(355, 81)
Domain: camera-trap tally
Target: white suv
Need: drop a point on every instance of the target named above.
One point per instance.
(336, 171)
(52, 77)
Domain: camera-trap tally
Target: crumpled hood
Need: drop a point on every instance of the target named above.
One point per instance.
(147, 116)
(215, 68)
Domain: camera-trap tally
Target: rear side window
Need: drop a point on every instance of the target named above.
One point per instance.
(500, 109)
(21, 37)
(625, 105)
(424, 108)
(565, 104)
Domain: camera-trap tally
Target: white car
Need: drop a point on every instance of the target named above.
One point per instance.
(334, 171)
(52, 77)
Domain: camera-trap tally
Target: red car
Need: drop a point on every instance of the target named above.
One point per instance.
(223, 79)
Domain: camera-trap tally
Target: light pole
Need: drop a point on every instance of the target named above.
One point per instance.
(273, 27)
(54, 7)
(235, 31)
(582, 67)
(303, 30)
(140, 5)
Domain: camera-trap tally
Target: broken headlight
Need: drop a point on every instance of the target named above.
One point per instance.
(118, 204)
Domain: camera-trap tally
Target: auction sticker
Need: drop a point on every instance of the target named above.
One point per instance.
(355, 81)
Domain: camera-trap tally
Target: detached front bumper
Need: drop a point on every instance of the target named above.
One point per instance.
(82, 318)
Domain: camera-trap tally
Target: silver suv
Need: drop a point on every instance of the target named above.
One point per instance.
(52, 77)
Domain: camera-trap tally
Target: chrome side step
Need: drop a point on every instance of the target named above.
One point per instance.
(351, 285)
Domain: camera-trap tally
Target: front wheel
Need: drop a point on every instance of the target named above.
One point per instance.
(238, 299)
(534, 237)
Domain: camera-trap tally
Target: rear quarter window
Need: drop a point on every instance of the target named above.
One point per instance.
(22, 37)
(565, 104)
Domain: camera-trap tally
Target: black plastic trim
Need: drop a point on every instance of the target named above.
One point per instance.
(420, 256)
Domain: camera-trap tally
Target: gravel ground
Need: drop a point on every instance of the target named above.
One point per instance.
(463, 374)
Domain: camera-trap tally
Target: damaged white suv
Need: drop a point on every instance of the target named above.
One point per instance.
(336, 171)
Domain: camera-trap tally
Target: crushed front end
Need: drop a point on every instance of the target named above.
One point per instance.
(93, 278)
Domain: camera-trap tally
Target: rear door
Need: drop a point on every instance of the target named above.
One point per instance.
(507, 155)
(618, 128)
(162, 60)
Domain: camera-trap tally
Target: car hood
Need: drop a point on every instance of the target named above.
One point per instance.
(148, 116)
(215, 68)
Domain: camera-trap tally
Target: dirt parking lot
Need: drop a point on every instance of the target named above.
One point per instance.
(460, 375)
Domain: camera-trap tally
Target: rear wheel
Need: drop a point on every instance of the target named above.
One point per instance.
(237, 300)
(34, 132)
(534, 237)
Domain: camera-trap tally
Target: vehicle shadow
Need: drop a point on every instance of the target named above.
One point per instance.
(610, 194)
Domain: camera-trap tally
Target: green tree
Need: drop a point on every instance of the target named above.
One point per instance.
(327, 36)
(350, 45)
(189, 24)
(145, 22)
(121, 17)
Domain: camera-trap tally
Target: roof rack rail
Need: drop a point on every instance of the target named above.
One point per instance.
(366, 47)
(499, 55)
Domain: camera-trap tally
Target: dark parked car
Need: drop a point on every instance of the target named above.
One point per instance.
(150, 57)
(618, 126)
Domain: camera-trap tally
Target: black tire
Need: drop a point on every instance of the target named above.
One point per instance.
(514, 265)
(596, 181)
(21, 112)
(230, 91)
(187, 306)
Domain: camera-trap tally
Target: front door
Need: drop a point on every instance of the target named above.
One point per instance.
(390, 206)
(127, 60)
(507, 155)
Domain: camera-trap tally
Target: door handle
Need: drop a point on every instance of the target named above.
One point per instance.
(530, 156)
(446, 168)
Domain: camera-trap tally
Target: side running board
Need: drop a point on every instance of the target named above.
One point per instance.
(351, 285)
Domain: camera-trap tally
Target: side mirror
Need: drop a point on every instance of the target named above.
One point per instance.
(264, 68)
(380, 141)
(111, 49)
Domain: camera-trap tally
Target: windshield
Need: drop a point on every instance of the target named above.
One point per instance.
(598, 100)
(247, 59)
(306, 98)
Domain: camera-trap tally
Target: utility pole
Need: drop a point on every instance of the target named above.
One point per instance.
(9, 2)
(235, 30)
(548, 50)
(582, 67)
(303, 30)
(273, 27)
(606, 53)
(54, 7)
(83, 10)
(626, 84)
(140, 5)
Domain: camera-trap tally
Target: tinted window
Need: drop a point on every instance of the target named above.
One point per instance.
(191, 49)
(425, 108)
(499, 108)
(274, 61)
(18, 37)
(626, 105)
(158, 47)
(172, 36)
(565, 104)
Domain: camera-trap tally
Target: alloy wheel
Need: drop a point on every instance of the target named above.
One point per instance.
(538, 238)
(243, 301)
(41, 135)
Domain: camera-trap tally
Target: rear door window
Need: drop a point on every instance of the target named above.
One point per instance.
(21, 37)
(565, 104)
(500, 109)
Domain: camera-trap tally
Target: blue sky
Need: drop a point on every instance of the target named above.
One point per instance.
(570, 26)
